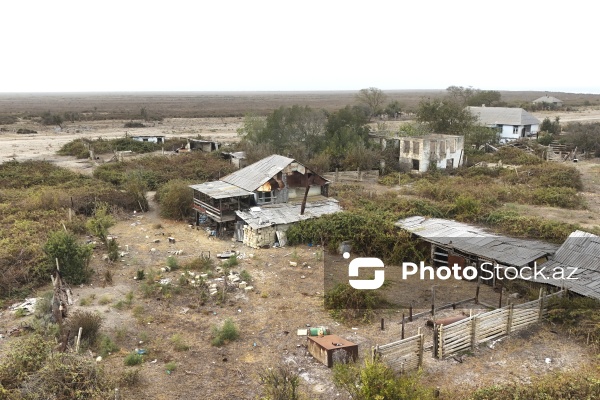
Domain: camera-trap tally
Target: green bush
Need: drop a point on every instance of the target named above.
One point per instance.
(227, 333)
(106, 346)
(133, 359)
(73, 258)
(25, 357)
(179, 343)
(374, 380)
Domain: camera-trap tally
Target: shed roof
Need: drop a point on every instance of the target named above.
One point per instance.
(286, 213)
(474, 240)
(255, 175)
(503, 116)
(220, 190)
(579, 254)
(547, 99)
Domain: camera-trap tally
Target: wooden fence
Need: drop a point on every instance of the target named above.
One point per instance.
(467, 333)
(403, 355)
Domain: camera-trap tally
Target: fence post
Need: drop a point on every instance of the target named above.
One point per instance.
(541, 304)
(477, 291)
(441, 341)
(410, 312)
(403, 327)
(373, 353)
(421, 346)
(473, 332)
(436, 334)
(509, 319)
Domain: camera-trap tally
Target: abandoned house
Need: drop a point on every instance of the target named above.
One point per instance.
(150, 139)
(202, 145)
(455, 242)
(579, 255)
(262, 199)
(421, 152)
(512, 123)
(548, 101)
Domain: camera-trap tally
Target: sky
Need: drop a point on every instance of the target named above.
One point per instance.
(130, 45)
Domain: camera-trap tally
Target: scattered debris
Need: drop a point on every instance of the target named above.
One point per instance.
(28, 306)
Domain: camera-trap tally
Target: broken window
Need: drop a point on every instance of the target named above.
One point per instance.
(452, 145)
(415, 165)
(407, 146)
(432, 148)
(443, 148)
(265, 197)
(416, 148)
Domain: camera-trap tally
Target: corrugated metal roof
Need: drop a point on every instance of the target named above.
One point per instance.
(281, 214)
(474, 240)
(220, 190)
(255, 175)
(579, 254)
(503, 116)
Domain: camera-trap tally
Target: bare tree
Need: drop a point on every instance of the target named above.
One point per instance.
(372, 98)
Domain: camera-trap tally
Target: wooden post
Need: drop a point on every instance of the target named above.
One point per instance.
(373, 350)
(402, 335)
(117, 396)
(473, 332)
(441, 341)
(78, 340)
(477, 290)
(421, 346)
(382, 324)
(435, 340)
(509, 319)
(410, 312)
(337, 175)
(500, 301)
(541, 306)
(432, 302)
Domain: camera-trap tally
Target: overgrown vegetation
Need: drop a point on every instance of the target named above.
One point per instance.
(374, 380)
(347, 303)
(80, 148)
(34, 202)
(73, 258)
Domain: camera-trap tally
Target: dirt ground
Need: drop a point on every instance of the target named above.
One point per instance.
(285, 298)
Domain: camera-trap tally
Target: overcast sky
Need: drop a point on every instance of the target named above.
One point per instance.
(125, 45)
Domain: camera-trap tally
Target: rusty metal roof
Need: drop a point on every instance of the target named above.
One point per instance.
(220, 190)
(477, 241)
(579, 254)
(331, 342)
(287, 213)
(255, 175)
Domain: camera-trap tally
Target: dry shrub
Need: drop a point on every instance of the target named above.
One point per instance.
(68, 376)
(90, 322)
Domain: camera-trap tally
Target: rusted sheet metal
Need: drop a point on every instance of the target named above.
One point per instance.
(328, 348)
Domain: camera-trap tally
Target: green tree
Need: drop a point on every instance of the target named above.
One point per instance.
(447, 116)
(73, 258)
(490, 98)
(52, 119)
(479, 135)
(175, 200)
(393, 109)
(136, 185)
(296, 131)
(345, 129)
(373, 99)
(102, 220)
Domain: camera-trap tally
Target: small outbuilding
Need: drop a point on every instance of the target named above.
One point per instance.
(149, 138)
(332, 348)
